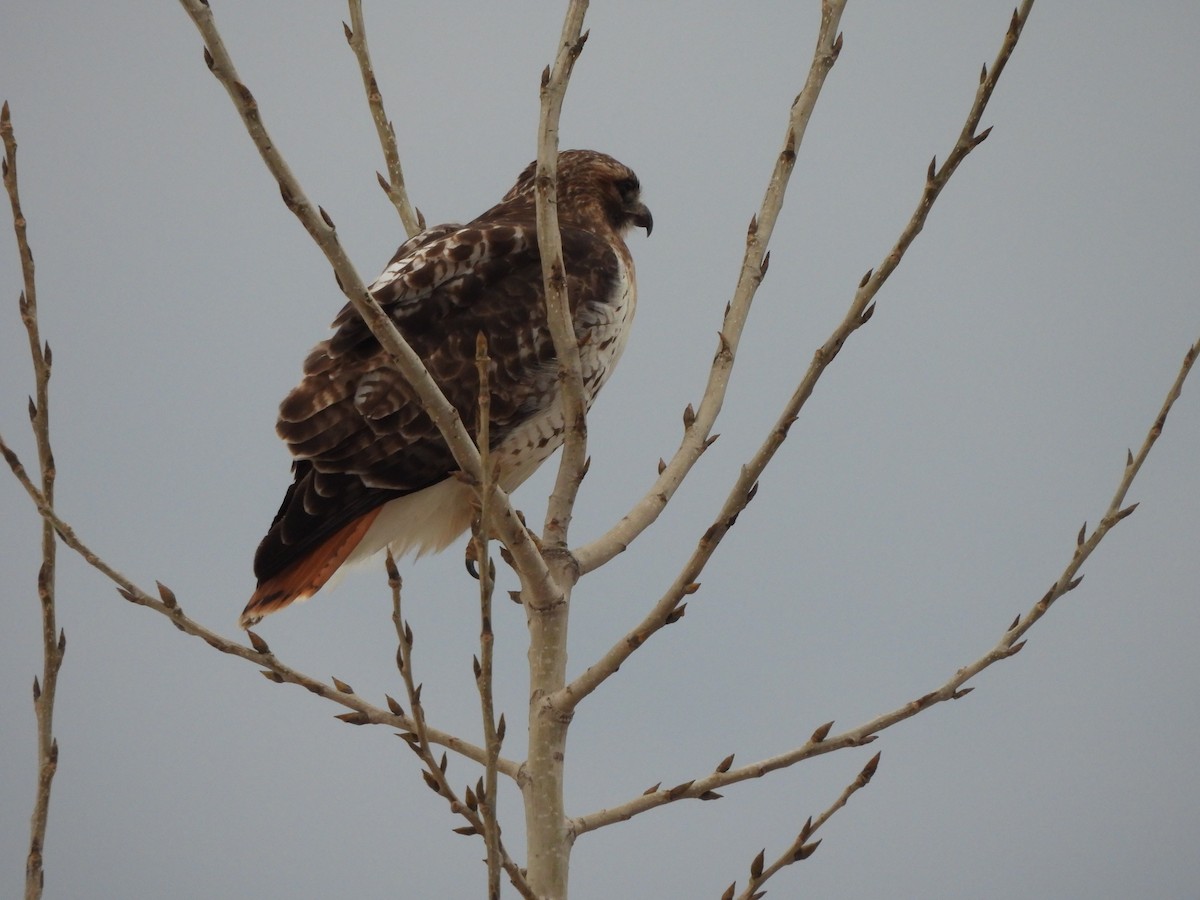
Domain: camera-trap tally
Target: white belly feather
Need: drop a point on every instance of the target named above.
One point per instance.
(429, 520)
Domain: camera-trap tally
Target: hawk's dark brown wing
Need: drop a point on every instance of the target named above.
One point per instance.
(355, 426)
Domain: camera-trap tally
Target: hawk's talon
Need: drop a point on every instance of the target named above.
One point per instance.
(470, 559)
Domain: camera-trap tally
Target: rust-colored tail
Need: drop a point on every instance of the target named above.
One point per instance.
(306, 576)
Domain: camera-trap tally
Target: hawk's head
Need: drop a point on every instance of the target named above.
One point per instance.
(594, 190)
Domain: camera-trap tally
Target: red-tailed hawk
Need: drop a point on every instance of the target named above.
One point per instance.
(371, 469)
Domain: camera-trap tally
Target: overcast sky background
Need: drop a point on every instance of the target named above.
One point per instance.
(931, 490)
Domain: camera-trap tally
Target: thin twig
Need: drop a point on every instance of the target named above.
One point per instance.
(1116, 511)
(669, 607)
(393, 185)
(968, 139)
(418, 740)
(802, 847)
(319, 225)
(483, 666)
(54, 641)
(954, 688)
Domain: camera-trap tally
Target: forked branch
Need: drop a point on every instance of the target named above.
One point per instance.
(803, 846)
(668, 608)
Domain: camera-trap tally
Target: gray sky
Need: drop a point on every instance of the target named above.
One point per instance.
(931, 490)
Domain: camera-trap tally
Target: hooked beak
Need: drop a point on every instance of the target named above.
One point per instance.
(640, 216)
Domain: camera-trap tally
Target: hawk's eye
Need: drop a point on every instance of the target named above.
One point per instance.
(628, 187)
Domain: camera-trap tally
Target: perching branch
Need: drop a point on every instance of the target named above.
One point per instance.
(54, 640)
(573, 462)
(320, 226)
(548, 853)
(393, 185)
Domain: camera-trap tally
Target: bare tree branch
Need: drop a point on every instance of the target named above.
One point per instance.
(953, 689)
(492, 736)
(669, 608)
(558, 310)
(393, 185)
(936, 177)
(697, 431)
(259, 653)
(419, 741)
(1116, 511)
(698, 424)
(545, 814)
(54, 640)
(802, 847)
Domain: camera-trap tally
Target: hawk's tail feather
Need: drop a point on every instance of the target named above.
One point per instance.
(307, 575)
